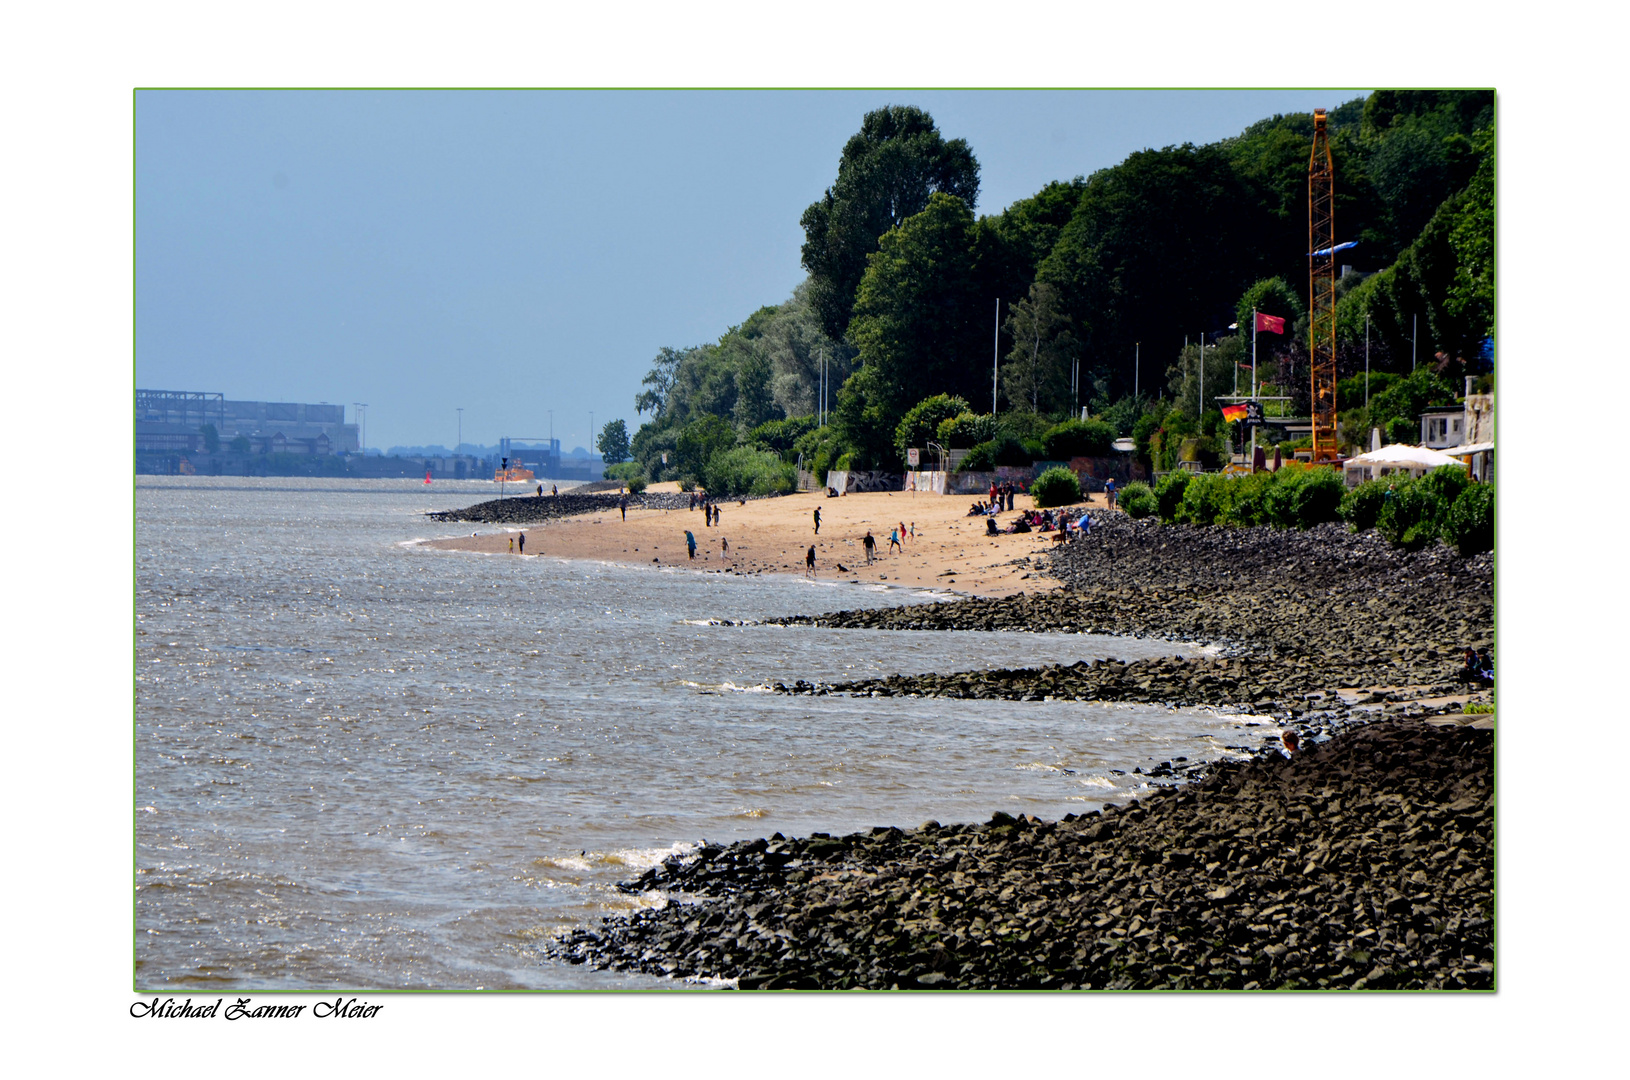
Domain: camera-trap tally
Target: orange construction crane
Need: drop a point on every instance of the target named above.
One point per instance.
(1321, 284)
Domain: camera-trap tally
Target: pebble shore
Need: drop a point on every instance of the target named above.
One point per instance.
(1364, 861)
(1296, 618)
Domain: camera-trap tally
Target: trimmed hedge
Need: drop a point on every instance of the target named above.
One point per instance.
(1056, 487)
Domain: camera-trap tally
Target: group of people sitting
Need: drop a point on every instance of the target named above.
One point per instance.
(1477, 666)
(1068, 526)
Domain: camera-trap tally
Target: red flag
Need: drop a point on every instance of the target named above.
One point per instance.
(1273, 324)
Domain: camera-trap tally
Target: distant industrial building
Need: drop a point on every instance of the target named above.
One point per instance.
(173, 422)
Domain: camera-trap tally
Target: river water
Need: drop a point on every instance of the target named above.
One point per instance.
(361, 763)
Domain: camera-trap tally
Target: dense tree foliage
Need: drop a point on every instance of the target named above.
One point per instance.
(906, 288)
(613, 442)
(886, 174)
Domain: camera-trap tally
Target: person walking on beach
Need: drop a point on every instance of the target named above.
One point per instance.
(809, 561)
(817, 523)
(724, 544)
(622, 504)
(523, 543)
(871, 546)
(554, 490)
(1109, 492)
(690, 542)
(894, 541)
(540, 491)
(717, 513)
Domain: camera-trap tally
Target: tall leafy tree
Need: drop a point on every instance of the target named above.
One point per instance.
(659, 382)
(1036, 377)
(613, 442)
(920, 324)
(886, 174)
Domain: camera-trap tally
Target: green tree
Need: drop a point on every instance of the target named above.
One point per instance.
(885, 175)
(1471, 296)
(923, 422)
(240, 445)
(920, 321)
(698, 441)
(660, 380)
(613, 442)
(1036, 377)
(212, 438)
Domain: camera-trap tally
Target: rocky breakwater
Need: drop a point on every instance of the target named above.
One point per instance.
(1298, 616)
(529, 508)
(1365, 862)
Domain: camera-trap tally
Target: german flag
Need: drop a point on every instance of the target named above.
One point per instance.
(1234, 413)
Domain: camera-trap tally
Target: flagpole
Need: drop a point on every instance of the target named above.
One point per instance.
(1253, 383)
(1137, 350)
(1366, 362)
(995, 350)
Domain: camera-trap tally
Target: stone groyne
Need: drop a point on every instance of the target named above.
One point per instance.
(1364, 862)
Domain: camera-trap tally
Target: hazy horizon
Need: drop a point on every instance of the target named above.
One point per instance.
(517, 252)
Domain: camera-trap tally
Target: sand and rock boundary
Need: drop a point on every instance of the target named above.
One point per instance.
(1365, 862)
(1311, 624)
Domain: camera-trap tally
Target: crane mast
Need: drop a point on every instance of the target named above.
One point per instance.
(1321, 275)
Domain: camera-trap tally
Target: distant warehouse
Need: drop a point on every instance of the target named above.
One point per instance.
(171, 422)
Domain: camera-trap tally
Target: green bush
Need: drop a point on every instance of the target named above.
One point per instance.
(636, 484)
(1078, 438)
(1248, 499)
(1418, 510)
(1409, 519)
(1361, 506)
(923, 421)
(967, 429)
(626, 471)
(780, 436)
(845, 461)
(1469, 525)
(1205, 500)
(1138, 500)
(1169, 495)
(1446, 484)
(746, 471)
(1056, 487)
(1315, 499)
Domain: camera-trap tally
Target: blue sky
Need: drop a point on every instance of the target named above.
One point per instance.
(516, 252)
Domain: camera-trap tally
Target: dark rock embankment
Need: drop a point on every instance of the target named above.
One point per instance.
(1363, 862)
(524, 509)
(1296, 613)
(527, 508)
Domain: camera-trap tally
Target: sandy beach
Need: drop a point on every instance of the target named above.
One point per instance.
(950, 550)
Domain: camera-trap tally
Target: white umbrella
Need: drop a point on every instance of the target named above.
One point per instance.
(1473, 448)
(1405, 456)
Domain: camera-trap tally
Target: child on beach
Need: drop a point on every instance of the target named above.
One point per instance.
(809, 560)
(894, 541)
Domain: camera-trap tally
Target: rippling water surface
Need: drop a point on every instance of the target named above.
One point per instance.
(362, 763)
